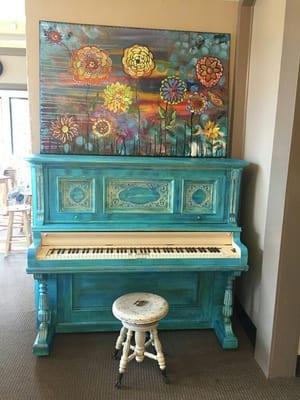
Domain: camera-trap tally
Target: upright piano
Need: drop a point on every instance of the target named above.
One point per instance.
(104, 226)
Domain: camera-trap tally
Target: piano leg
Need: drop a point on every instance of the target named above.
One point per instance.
(41, 345)
(223, 326)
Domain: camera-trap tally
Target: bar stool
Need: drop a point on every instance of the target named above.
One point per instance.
(139, 313)
(24, 212)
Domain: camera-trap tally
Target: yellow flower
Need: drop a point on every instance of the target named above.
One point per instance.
(138, 61)
(101, 127)
(90, 65)
(117, 97)
(212, 130)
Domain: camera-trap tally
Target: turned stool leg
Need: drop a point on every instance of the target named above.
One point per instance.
(26, 227)
(139, 348)
(159, 354)
(9, 232)
(124, 358)
(120, 341)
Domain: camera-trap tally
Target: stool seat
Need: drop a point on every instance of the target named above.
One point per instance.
(140, 308)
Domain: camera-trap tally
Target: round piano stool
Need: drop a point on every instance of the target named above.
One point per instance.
(140, 314)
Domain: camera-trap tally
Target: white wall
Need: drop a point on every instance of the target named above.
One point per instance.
(14, 70)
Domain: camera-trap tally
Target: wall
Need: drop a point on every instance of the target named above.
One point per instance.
(286, 328)
(200, 15)
(14, 69)
(268, 291)
(267, 37)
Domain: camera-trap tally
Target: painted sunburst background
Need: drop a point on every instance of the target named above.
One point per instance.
(128, 91)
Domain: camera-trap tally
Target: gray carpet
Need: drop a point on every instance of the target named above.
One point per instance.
(80, 366)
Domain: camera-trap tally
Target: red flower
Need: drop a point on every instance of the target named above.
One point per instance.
(209, 71)
(53, 36)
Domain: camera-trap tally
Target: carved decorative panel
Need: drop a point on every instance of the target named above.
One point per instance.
(199, 197)
(76, 195)
(130, 196)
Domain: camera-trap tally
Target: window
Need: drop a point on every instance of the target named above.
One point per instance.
(15, 141)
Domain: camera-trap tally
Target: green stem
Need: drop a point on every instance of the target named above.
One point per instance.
(87, 111)
(165, 131)
(138, 108)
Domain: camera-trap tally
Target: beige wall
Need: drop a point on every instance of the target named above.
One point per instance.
(267, 290)
(264, 74)
(198, 15)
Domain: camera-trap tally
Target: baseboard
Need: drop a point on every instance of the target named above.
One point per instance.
(245, 321)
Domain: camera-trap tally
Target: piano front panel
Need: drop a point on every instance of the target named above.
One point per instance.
(190, 296)
(110, 197)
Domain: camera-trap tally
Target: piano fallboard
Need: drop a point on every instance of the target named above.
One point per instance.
(106, 226)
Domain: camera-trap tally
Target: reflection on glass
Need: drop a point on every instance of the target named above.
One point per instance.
(20, 126)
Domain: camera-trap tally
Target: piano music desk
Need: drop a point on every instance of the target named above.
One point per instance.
(104, 226)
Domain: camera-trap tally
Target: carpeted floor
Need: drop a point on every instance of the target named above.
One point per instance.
(81, 367)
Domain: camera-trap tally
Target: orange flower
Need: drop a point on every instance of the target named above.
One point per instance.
(197, 103)
(90, 65)
(102, 127)
(209, 71)
(64, 128)
(215, 99)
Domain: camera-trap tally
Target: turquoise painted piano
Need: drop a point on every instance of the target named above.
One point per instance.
(104, 226)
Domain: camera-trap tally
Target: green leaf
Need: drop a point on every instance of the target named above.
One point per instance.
(173, 116)
(161, 112)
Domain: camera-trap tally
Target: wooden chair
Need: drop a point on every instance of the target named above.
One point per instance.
(18, 216)
(5, 187)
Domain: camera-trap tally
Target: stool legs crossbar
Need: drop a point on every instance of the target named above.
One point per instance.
(138, 350)
(140, 314)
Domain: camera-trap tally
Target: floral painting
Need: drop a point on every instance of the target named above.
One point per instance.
(128, 91)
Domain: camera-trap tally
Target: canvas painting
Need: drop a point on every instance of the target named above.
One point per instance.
(133, 92)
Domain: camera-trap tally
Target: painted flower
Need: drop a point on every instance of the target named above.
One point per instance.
(209, 71)
(117, 97)
(215, 99)
(64, 128)
(90, 65)
(212, 130)
(102, 127)
(138, 61)
(172, 90)
(197, 103)
(53, 36)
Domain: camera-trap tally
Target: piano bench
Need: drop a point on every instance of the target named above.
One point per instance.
(139, 313)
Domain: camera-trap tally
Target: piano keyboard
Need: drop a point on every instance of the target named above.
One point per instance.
(137, 245)
(106, 253)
